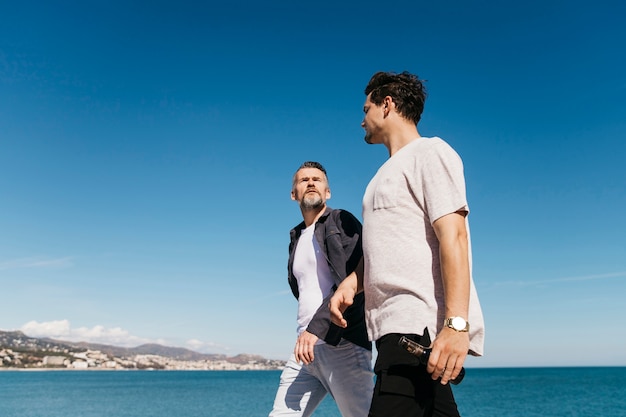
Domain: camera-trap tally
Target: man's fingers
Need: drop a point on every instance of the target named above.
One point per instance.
(445, 375)
(446, 369)
(305, 355)
(337, 318)
(451, 371)
(304, 352)
(337, 306)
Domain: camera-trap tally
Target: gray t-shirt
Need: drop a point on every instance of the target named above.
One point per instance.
(420, 183)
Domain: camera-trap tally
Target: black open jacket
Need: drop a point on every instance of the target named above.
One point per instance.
(338, 233)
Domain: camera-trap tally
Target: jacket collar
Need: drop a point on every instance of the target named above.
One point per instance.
(296, 231)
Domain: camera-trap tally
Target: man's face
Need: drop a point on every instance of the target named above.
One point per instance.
(372, 121)
(310, 188)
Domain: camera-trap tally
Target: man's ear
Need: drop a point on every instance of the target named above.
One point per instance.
(293, 195)
(328, 194)
(388, 104)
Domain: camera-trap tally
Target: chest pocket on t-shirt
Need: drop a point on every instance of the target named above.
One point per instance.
(386, 193)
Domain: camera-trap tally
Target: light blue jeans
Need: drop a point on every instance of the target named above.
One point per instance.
(343, 371)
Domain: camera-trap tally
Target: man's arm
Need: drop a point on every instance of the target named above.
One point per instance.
(450, 347)
(342, 298)
(350, 246)
(344, 295)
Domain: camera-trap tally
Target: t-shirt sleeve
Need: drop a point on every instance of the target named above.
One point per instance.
(443, 182)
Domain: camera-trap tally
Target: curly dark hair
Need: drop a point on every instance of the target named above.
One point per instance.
(407, 91)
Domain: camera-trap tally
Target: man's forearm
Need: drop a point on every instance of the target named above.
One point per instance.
(454, 260)
(355, 278)
(456, 278)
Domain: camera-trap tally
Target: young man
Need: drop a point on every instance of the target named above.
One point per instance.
(324, 249)
(417, 257)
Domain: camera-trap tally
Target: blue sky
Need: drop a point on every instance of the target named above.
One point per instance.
(147, 149)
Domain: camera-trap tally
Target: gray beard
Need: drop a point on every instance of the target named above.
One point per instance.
(311, 202)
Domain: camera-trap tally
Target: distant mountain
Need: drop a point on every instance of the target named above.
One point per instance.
(18, 340)
(147, 349)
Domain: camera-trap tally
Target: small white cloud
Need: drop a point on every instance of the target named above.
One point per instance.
(113, 336)
(52, 329)
(22, 263)
(281, 293)
(595, 277)
(116, 336)
(204, 347)
(194, 343)
(62, 329)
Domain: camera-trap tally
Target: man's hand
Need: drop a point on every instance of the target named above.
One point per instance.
(304, 347)
(339, 302)
(344, 295)
(450, 347)
(449, 352)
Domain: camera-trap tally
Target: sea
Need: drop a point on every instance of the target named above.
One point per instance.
(485, 392)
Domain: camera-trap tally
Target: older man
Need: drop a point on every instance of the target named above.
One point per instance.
(324, 249)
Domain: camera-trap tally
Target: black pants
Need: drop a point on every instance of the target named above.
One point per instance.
(403, 387)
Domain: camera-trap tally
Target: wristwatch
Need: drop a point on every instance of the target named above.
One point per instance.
(457, 323)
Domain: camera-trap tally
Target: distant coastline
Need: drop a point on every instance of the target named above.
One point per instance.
(21, 352)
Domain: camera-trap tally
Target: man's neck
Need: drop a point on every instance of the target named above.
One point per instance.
(312, 215)
(401, 137)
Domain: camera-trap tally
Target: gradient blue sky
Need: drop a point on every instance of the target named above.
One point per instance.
(147, 149)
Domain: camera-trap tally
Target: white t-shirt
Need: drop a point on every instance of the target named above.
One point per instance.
(313, 274)
(420, 183)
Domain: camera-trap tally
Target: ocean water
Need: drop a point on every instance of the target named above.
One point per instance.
(512, 392)
(535, 392)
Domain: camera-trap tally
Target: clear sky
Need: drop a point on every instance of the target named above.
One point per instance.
(147, 150)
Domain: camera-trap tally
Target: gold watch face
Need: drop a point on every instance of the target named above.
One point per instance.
(458, 323)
